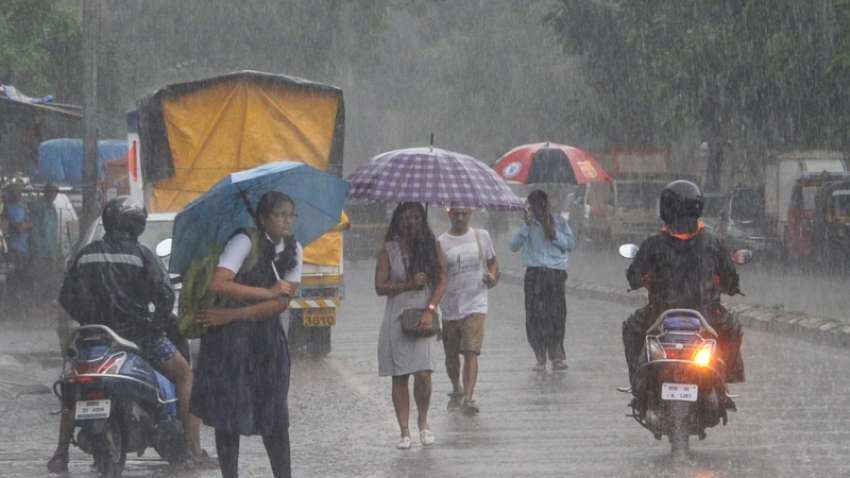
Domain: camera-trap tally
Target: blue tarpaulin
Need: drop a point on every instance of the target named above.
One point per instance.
(61, 160)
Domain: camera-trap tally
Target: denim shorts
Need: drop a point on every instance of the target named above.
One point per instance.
(156, 349)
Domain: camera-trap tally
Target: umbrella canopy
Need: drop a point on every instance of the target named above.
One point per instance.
(433, 176)
(214, 217)
(550, 163)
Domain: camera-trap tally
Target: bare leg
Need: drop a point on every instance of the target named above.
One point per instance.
(178, 370)
(453, 371)
(470, 373)
(401, 403)
(422, 394)
(59, 462)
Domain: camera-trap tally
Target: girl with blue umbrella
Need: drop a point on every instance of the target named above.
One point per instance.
(242, 377)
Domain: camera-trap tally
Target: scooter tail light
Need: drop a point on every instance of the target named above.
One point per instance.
(705, 353)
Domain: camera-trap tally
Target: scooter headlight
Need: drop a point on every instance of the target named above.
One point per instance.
(654, 349)
(704, 354)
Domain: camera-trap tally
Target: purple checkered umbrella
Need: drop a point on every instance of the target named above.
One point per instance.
(433, 176)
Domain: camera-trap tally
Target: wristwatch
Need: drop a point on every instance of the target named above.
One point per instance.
(432, 307)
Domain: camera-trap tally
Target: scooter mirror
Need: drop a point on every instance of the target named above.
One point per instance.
(629, 251)
(742, 256)
(163, 249)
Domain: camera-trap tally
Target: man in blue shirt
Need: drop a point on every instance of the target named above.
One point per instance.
(545, 241)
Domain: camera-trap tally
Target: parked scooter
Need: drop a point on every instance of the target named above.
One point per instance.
(121, 403)
(680, 388)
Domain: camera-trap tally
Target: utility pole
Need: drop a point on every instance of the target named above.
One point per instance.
(91, 42)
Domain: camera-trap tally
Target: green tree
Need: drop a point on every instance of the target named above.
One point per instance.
(39, 47)
(757, 72)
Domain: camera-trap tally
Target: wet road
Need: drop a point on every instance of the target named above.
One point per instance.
(794, 418)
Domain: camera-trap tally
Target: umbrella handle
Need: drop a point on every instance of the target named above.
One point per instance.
(276, 273)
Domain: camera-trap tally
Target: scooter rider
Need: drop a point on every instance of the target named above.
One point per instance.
(118, 282)
(684, 266)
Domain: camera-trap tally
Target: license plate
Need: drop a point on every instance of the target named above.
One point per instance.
(679, 391)
(321, 317)
(93, 409)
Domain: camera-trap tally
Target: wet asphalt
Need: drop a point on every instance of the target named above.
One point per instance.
(793, 418)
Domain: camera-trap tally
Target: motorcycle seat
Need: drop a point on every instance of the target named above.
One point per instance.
(119, 342)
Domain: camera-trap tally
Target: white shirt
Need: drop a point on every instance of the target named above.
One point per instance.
(239, 246)
(466, 292)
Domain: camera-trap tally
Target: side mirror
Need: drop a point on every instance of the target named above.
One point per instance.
(163, 249)
(742, 256)
(629, 251)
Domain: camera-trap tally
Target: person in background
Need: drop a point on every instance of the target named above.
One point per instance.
(242, 376)
(410, 273)
(18, 231)
(472, 269)
(46, 262)
(545, 241)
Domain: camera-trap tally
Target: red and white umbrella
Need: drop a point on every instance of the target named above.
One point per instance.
(549, 163)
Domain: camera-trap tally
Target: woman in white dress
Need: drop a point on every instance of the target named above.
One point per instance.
(410, 272)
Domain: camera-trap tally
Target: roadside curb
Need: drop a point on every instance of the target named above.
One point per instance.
(822, 330)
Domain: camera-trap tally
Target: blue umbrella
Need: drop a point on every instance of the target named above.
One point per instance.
(212, 218)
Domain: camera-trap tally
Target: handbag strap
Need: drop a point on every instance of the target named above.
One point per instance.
(480, 249)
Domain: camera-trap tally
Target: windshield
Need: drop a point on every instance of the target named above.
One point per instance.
(639, 194)
(747, 205)
(840, 203)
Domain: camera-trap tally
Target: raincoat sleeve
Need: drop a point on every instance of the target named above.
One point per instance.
(729, 280)
(639, 267)
(73, 296)
(161, 291)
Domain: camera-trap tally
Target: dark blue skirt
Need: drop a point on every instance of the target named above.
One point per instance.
(242, 378)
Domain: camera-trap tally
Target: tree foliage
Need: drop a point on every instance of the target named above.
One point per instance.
(758, 72)
(39, 47)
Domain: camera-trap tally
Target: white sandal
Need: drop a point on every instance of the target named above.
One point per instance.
(426, 437)
(403, 444)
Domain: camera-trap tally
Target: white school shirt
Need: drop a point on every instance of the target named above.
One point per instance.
(239, 246)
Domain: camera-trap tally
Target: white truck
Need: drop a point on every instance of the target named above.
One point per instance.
(791, 183)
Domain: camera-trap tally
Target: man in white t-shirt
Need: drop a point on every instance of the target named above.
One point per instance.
(472, 269)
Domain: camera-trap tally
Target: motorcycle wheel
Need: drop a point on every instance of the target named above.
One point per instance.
(679, 428)
(110, 449)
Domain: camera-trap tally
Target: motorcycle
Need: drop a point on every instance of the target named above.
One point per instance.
(680, 387)
(121, 404)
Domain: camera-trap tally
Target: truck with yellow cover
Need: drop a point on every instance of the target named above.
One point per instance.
(185, 137)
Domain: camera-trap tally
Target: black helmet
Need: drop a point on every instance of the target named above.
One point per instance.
(124, 218)
(680, 203)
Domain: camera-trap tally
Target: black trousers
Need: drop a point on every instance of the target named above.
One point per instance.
(545, 312)
(277, 447)
(728, 329)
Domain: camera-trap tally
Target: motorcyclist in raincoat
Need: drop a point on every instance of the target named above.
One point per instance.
(113, 281)
(684, 266)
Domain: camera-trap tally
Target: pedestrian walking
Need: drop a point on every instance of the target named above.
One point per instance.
(410, 272)
(242, 377)
(545, 241)
(471, 269)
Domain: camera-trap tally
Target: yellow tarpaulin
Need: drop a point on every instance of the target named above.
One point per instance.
(237, 124)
